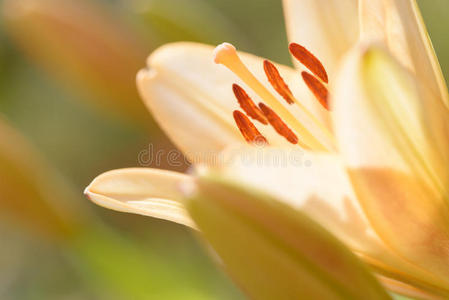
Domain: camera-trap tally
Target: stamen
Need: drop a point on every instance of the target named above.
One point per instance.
(278, 124)
(247, 128)
(317, 88)
(273, 74)
(309, 60)
(226, 55)
(248, 105)
(277, 81)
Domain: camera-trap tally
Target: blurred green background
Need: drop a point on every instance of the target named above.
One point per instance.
(69, 111)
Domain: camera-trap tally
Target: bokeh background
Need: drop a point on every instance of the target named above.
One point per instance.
(69, 111)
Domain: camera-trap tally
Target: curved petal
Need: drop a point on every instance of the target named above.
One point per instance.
(399, 24)
(384, 118)
(274, 252)
(424, 58)
(148, 192)
(391, 150)
(191, 97)
(311, 182)
(318, 185)
(327, 28)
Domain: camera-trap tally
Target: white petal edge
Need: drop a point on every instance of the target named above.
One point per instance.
(149, 192)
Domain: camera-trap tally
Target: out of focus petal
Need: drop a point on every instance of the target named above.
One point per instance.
(274, 252)
(31, 192)
(85, 45)
(318, 186)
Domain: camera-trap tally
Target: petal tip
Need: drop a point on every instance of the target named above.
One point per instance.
(145, 75)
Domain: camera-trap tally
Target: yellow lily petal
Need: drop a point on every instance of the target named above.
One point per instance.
(318, 185)
(421, 50)
(190, 95)
(393, 160)
(314, 183)
(148, 192)
(399, 24)
(274, 252)
(327, 28)
(373, 19)
(400, 123)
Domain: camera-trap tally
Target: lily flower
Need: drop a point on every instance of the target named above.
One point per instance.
(365, 108)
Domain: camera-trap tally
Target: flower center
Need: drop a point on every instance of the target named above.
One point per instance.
(273, 112)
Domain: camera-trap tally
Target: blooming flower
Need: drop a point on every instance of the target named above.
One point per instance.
(366, 107)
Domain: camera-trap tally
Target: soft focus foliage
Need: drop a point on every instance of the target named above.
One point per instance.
(84, 44)
(70, 110)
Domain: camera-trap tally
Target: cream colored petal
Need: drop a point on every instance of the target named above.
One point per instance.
(311, 182)
(384, 118)
(274, 252)
(420, 47)
(191, 97)
(393, 158)
(373, 19)
(148, 192)
(318, 185)
(327, 28)
(403, 212)
(399, 24)
(380, 22)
